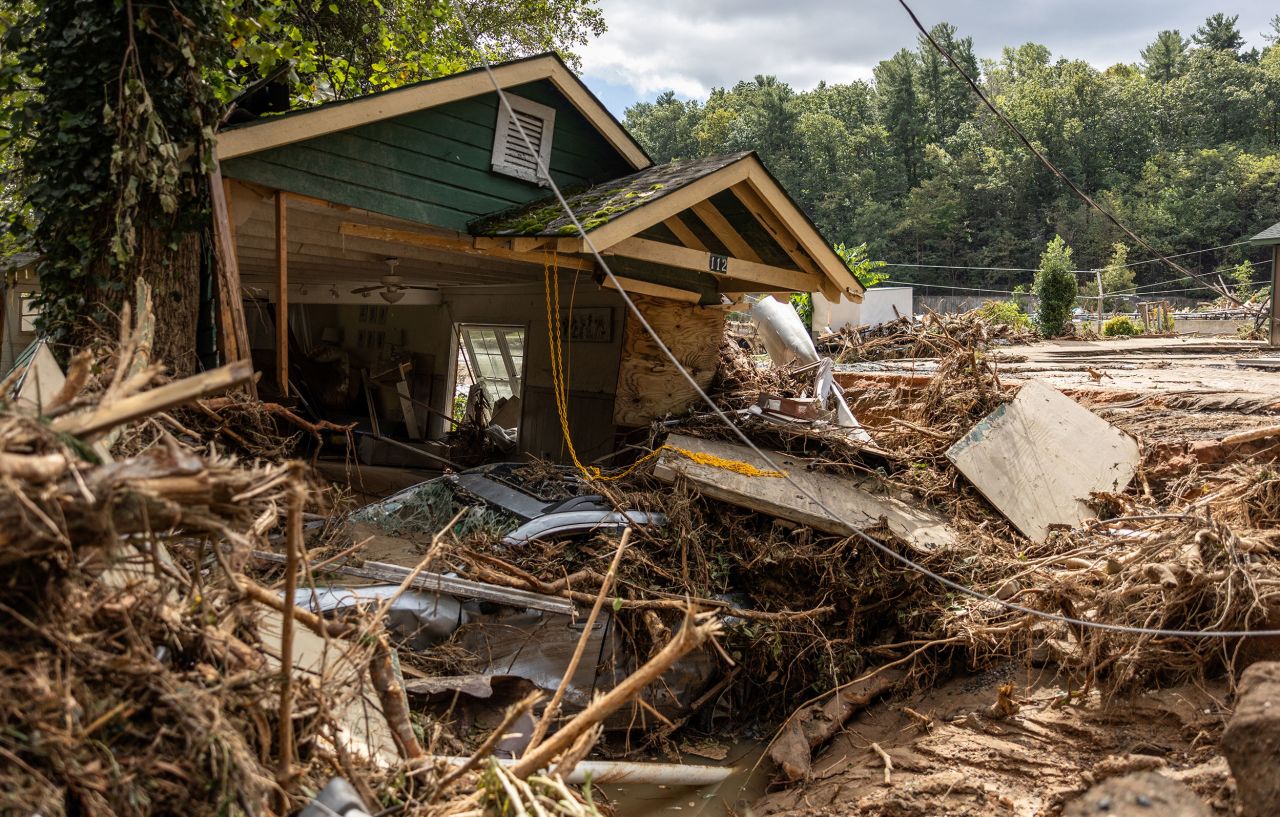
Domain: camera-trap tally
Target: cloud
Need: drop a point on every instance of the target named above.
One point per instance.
(691, 46)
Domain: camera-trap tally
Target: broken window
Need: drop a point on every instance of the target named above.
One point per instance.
(494, 357)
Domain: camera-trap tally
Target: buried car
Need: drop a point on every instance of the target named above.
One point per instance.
(521, 502)
(498, 636)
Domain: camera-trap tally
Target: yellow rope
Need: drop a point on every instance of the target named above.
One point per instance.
(559, 388)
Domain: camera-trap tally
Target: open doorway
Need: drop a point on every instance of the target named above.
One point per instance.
(490, 357)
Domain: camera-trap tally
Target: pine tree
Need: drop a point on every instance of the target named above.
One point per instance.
(1220, 33)
(1166, 58)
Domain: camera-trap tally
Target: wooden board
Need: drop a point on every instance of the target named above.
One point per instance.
(650, 387)
(853, 502)
(1037, 458)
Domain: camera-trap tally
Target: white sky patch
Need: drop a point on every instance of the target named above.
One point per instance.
(691, 46)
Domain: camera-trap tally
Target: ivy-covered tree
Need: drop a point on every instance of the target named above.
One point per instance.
(115, 128)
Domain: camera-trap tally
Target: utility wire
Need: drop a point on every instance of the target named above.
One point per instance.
(1192, 252)
(1036, 151)
(738, 433)
(1083, 272)
(942, 286)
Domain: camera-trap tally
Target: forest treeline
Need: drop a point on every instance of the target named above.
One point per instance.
(1181, 145)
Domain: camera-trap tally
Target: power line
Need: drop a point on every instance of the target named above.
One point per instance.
(1192, 252)
(942, 286)
(739, 434)
(1194, 276)
(955, 267)
(1079, 271)
(1036, 151)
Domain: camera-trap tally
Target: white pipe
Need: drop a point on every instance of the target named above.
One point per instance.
(620, 771)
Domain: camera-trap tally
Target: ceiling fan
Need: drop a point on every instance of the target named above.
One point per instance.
(390, 287)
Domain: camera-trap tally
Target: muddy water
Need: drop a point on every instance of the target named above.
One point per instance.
(732, 796)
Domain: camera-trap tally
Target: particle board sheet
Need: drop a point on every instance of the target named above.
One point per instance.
(854, 504)
(1039, 457)
(649, 387)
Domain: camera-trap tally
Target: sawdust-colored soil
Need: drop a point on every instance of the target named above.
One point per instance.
(959, 760)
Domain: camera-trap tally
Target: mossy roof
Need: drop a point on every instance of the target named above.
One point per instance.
(599, 204)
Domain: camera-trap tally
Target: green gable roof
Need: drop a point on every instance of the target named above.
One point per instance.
(1271, 235)
(597, 205)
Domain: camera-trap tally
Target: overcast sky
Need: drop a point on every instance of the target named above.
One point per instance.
(690, 46)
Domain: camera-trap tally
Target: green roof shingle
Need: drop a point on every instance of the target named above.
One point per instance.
(601, 203)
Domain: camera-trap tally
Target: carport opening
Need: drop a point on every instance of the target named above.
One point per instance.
(490, 362)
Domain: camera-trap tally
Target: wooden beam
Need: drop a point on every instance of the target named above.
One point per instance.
(736, 268)
(724, 231)
(686, 236)
(1275, 295)
(517, 243)
(282, 293)
(763, 214)
(635, 287)
(791, 216)
(233, 332)
(461, 244)
(180, 392)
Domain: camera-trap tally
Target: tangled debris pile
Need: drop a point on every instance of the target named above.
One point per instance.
(928, 336)
(175, 638)
(146, 668)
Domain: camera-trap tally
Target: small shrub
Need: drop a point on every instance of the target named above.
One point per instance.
(1056, 287)
(1121, 326)
(1007, 313)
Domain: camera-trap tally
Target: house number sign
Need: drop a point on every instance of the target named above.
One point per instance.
(719, 263)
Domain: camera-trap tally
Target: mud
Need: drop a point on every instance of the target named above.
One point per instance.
(952, 754)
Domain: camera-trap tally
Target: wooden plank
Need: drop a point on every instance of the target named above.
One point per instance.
(649, 387)
(437, 583)
(855, 504)
(1038, 458)
(177, 393)
(519, 243)
(701, 261)
(724, 231)
(1275, 295)
(634, 287)
(763, 214)
(686, 236)
(282, 293)
(461, 244)
(233, 330)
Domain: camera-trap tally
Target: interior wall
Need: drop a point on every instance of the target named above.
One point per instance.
(591, 366)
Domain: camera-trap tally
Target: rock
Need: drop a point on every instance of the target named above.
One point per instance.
(1139, 794)
(1251, 741)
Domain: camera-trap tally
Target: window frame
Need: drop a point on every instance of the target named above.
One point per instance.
(515, 375)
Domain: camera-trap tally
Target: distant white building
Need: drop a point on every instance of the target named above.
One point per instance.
(879, 305)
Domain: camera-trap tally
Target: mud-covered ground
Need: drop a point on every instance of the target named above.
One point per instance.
(951, 756)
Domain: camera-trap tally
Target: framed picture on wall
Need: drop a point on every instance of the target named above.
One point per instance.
(587, 325)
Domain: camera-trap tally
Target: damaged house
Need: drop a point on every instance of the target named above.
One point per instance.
(394, 249)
